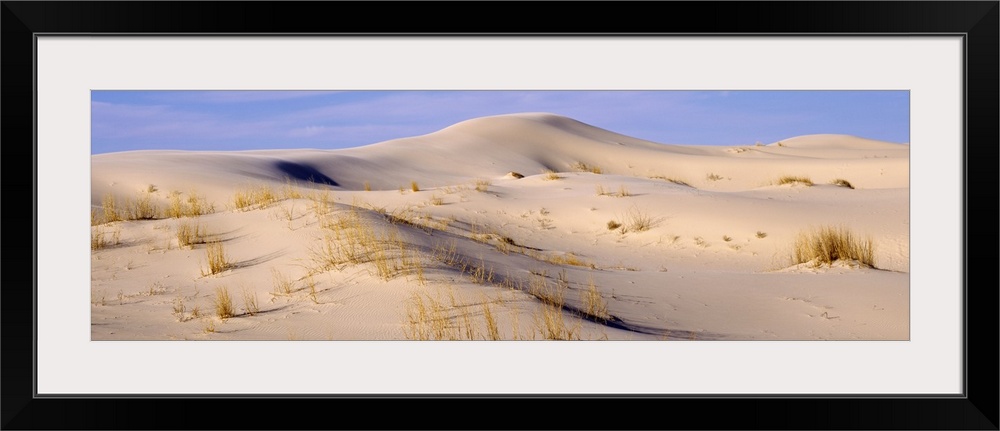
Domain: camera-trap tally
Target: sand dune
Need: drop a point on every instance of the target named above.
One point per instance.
(447, 243)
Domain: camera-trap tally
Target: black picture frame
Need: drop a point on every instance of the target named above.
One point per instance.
(976, 22)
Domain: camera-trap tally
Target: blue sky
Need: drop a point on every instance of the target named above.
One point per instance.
(250, 120)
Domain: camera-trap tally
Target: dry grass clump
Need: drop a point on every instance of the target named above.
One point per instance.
(634, 220)
(250, 303)
(842, 183)
(217, 259)
(550, 175)
(713, 177)
(353, 241)
(583, 167)
(612, 225)
(551, 324)
(414, 186)
(188, 235)
(827, 244)
(621, 193)
(368, 186)
(436, 200)
(223, 303)
(788, 179)
(673, 180)
(254, 197)
(594, 303)
(101, 239)
(282, 285)
(482, 185)
(761, 234)
(193, 206)
(567, 259)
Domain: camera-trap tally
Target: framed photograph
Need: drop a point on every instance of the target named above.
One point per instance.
(767, 217)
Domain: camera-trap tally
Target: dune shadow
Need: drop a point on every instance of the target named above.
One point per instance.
(304, 172)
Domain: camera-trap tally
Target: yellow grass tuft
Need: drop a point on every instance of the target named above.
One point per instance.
(217, 260)
(223, 303)
(188, 234)
(414, 186)
(250, 303)
(789, 179)
(594, 303)
(550, 175)
(827, 244)
(254, 197)
(483, 185)
(583, 167)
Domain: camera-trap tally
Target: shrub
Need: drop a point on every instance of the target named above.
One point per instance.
(637, 221)
(761, 234)
(414, 186)
(612, 225)
(827, 244)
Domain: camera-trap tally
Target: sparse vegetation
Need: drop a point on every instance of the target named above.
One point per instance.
(368, 186)
(414, 186)
(672, 180)
(594, 303)
(727, 238)
(217, 259)
(282, 285)
(188, 234)
(788, 179)
(583, 167)
(250, 302)
(612, 225)
(436, 200)
(223, 303)
(636, 220)
(254, 197)
(550, 175)
(713, 177)
(827, 244)
(842, 183)
(761, 234)
(101, 239)
(482, 185)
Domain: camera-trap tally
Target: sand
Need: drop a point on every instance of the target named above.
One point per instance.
(503, 227)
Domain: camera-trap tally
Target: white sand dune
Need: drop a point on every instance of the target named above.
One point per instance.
(714, 263)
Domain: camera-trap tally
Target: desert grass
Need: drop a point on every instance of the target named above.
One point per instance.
(193, 206)
(550, 175)
(842, 183)
(350, 240)
(189, 234)
(283, 285)
(482, 185)
(368, 186)
(141, 207)
(828, 244)
(551, 324)
(254, 197)
(223, 303)
(594, 304)
(217, 260)
(727, 238)
(414, 187)
(612, 225)
(436, 200)
(621, 193)
(250, 303)
(290, 190)
(713, 177)
(583, 167)
(492, 330)
(636, 220)
(101, 238)
(311, 284)
(789, 179)
(761, 234)
(672, 180)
